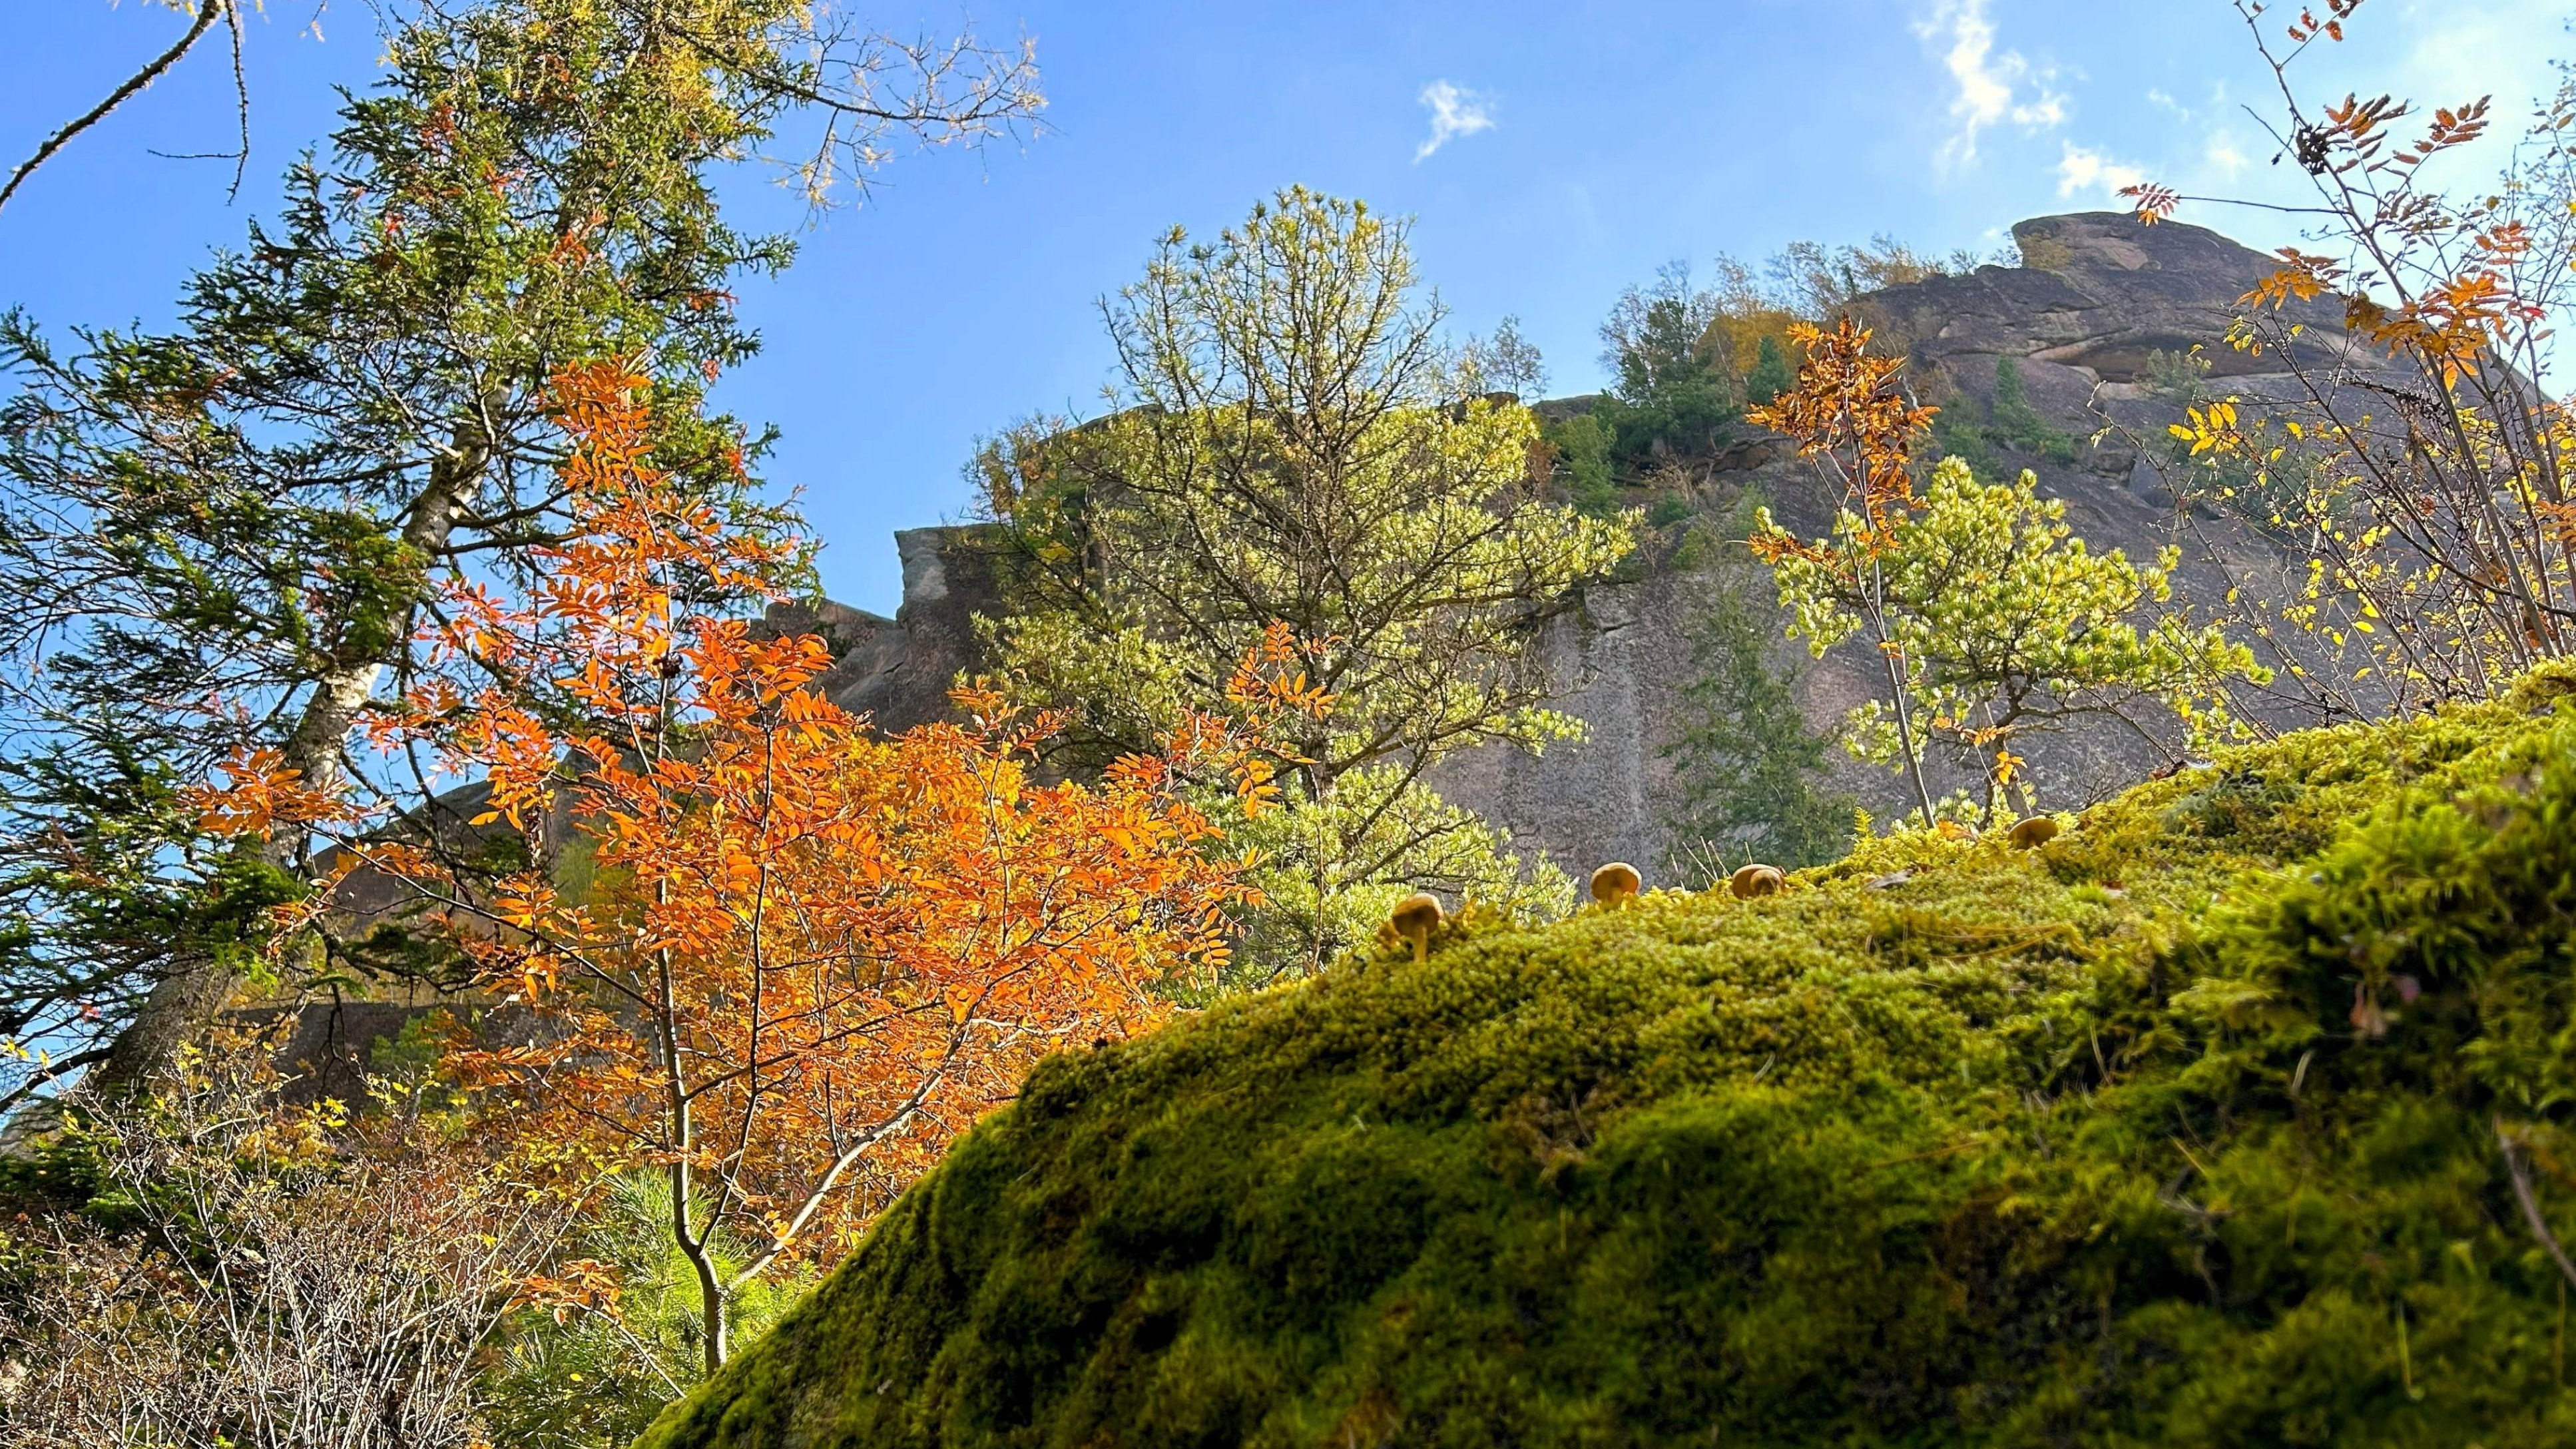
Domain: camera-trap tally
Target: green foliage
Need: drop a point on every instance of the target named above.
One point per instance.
(1675, 348)
(1583, 446)
(1668, 510)
(1292, 451)
(1950, 1144)
(1675, 393)
(2001, 623)
(1329, 881)
(226, 535)
(1675, 388)
(2016, 422)
(1748, 765)
(110, 882)
(2011, 423)
(595, 1375)
(1771, 374)
(2180, 378)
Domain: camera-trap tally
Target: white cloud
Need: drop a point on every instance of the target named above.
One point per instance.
(2223, 156)
(2082, 169)
(1992, 87)
(1455, 112)
(2046, 111)
(2456, 53)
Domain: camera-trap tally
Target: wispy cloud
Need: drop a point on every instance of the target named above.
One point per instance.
(1455, 111)
(1992, 86)
(2223, 157)
(2454, 53)
(2082, 169)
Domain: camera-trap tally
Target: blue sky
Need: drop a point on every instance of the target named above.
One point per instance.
(1579, 146)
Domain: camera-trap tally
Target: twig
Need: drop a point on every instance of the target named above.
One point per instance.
(241, 102)
(207, 10)
(53, 1071)
(2523, 1194)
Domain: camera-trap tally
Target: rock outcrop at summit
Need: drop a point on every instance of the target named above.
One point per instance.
(2099, 302)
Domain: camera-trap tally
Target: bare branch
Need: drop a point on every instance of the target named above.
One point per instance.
(208, 11)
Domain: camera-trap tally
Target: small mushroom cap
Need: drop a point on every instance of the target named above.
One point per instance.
(1417, 914)
(1755, 880)
(1616, 881)
(2037, 831)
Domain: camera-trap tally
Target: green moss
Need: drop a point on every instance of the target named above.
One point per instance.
(1949, 1144)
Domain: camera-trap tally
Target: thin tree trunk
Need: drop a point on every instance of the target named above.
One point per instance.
(711, 1289)
(193, 994)
(692, 1243)
(1897, 695)
(1905, 737)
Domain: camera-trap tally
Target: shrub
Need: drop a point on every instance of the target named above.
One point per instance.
(234, 1271)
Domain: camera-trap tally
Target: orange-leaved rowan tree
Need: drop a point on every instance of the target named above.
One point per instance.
(1991, 620)
(2420, 462)
(1849, 415)
(804, 955)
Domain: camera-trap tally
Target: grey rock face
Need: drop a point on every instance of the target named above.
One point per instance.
(2097, 297)
(898, 671)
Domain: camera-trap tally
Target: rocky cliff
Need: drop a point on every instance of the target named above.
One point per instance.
(2099, 304)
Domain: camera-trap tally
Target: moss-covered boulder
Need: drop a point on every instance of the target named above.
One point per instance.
(2235, 1115)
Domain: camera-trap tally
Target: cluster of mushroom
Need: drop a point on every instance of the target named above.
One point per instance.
(1617, 883)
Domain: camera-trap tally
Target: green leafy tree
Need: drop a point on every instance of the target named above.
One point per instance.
(2011, 422)
(1771, 374)
(226, 537)
(1298, 466)
(2006, 623)
(1749, 766)
(1675, 392)
(1583, 445)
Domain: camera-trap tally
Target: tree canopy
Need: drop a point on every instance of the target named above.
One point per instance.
(228, 534)
(1298, 454)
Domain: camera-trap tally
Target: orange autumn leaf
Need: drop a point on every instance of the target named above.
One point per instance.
(803, 954)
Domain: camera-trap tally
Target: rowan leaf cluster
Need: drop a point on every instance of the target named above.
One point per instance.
(2414, 466)
(807, 954)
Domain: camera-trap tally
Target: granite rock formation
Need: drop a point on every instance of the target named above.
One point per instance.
(2097, 300)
